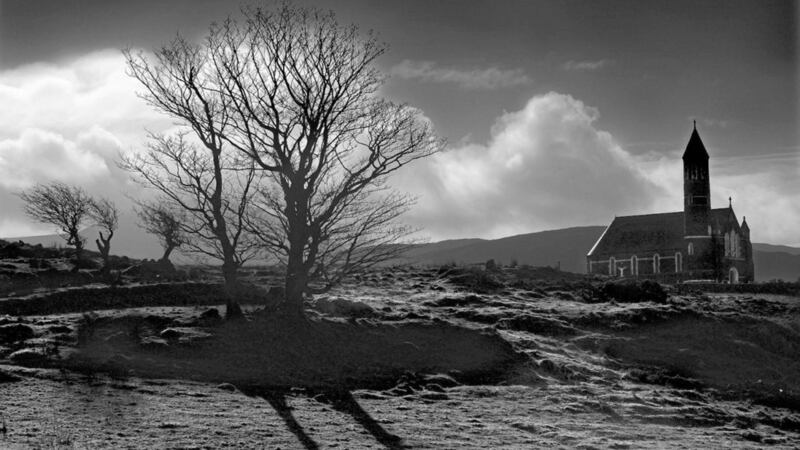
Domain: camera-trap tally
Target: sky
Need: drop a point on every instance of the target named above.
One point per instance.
(556, 113)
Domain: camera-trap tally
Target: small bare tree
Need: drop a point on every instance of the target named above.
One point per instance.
(213, 189)
(106, 216)
(164, 222)
(64, 206)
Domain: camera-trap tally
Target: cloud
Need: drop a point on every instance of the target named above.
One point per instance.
(39, 155)
(545, 166)
(70, 97)
(549, 166)
(67, 122)
(477, 78)
(585, 65)
(762, 187)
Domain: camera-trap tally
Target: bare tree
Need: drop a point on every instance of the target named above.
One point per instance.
(297, 94)
(64, 206)
(212, 188)
(164, 222)
(106, 216)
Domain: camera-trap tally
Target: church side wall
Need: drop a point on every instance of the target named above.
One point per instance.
(663, 264)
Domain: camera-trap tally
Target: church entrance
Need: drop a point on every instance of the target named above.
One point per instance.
(733, 276)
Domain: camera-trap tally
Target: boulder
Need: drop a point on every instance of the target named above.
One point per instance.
(28, 357)
(209, 317)
(226, 387)
(15, 333)
(184, 335)
(440, 380)
(5, 318)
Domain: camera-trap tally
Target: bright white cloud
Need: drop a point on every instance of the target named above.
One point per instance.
(40, 156)
(548, 166)
(68, 122)
(74, 96)
(475, 78)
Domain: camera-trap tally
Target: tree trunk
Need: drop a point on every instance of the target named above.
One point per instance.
(167, 251)
(104, 247)
(296, 282)
(232, 308)
(297, 272)
(78, 256)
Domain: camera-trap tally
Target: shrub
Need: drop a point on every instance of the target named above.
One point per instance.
(632, 291)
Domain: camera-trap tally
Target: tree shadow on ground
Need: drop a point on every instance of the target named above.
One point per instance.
(271, 354)
(341, 400)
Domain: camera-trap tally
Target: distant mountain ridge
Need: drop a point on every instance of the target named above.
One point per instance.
(566, 248)
(129, 240)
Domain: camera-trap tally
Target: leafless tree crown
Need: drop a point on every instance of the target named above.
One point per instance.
(59, 204)
(295, 95)
(164, 222)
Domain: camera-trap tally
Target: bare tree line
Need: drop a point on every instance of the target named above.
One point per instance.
(285, 148)
(70, 208)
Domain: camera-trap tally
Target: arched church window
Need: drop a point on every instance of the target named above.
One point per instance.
(690, 250)
(612, 266)
(727, 244)
(678, 262)
(656, 263)
(634, 265)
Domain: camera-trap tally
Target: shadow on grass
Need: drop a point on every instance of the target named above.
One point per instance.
(277, 399)
(341, 400)
(269, 355)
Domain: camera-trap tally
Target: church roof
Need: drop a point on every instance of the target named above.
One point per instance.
(695, 148)
(648, 233)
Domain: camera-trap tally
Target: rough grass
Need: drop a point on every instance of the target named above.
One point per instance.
(274, 352)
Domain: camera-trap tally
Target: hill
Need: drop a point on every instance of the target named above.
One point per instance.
(771, 248)
(568, 247)
(129, 241)
(777, 265)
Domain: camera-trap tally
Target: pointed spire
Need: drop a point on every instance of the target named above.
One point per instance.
(745, 227)
(695, 148)
(730, 202)
(694, 124)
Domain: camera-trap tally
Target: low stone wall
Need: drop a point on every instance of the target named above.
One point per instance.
(164, 294)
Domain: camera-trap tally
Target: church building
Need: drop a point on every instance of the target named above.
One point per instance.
(698, 243)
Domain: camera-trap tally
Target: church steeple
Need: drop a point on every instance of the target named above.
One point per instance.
(696, 187)
(695, 150)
